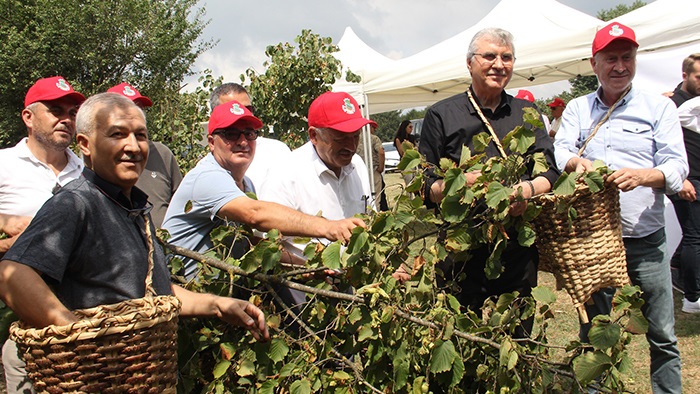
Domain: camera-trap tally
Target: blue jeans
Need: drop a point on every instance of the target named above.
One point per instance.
(649, 270)
(688, 214)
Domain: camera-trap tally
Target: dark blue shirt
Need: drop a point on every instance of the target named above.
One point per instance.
(89, 243)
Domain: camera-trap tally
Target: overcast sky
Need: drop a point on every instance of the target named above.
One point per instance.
(394, 28)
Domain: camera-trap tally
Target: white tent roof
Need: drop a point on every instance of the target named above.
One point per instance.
(552, 43)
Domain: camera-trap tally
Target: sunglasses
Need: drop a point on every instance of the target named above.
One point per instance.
(235, 134)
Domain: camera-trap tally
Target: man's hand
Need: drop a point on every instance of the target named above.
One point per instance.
(341, 230)
(14, 225)
(579, 165)
(688, 191)
(524, 189)
(243, 314)
(627, 179)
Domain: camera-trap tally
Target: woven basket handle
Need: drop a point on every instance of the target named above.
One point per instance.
(605, 119)
(486, 122)
(150, 291)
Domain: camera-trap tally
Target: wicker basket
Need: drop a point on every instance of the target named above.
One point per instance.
(586, 254)
(128, 347)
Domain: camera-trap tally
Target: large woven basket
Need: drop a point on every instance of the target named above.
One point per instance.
(587, 253)
(127, 347)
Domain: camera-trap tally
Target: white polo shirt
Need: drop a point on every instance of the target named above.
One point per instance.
(26, 183)
(305, 183)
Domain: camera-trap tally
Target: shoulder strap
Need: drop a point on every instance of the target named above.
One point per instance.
(486, 122)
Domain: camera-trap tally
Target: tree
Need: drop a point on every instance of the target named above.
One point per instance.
(95, 44)
(294, 77)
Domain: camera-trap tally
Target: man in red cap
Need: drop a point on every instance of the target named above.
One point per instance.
(557, 107)
(162, 175)
(216, 189)
(89, 244)
(40, 162)
(639, 136)
(32, 171)
(324, 175)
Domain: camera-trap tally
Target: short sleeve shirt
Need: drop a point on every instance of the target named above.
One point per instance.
(207, 188)
(26, 183)
(89, 243)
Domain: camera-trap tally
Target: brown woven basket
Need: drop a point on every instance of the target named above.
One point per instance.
(586, 254)
(127, 347)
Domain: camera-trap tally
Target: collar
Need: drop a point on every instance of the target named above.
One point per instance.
(25, 153)
(504, 104)
(139, 200)
(599, 93)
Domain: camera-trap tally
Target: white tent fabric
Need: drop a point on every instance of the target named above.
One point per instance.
(552, 43)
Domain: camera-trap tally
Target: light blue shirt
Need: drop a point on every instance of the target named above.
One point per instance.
(642, 132)
(209, 187)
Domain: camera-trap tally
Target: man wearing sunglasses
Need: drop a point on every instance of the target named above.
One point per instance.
(213, 192)
(270, 154)
(452, 124)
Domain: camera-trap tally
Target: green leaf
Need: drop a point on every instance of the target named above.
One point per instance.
(526, 236)
(519, 140)
(458, 371)
(496, 194)
(452, 209)
(401, 365)
(594, 181)
(481, 141)
(268, 386)
(590, 365)
(331, 255)
(278, 350)
(246, 368)
(188, 206)
(637, 323)
(455, 180)
(604, 336)
(366, 332)
(287, 370)
(539, 164)
(220, 368)
(410, 159)
(465, 156)
(544, 295)
(301, 386)
(443, 355)
(565, 185)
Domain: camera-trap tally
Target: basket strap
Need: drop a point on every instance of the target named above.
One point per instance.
(486, 122)
(151, 251)
(605, 119)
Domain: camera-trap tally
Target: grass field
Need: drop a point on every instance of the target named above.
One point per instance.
(565, 329)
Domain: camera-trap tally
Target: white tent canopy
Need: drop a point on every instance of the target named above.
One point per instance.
(552, 43)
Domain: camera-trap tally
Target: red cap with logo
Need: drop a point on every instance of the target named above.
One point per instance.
(52, 88)
(232, 113)
(613, 31)
(131, 93)
(337, 111)
(557, 102)
(525, 95)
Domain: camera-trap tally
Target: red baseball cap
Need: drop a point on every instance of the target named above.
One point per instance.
(557, 102)
(131, 93)
(337, 111)
(525, 95)
(52, 88)
(613, 31)
(232, 113)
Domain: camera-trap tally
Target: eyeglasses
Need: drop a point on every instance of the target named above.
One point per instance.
(235, 134)
(490, 57)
